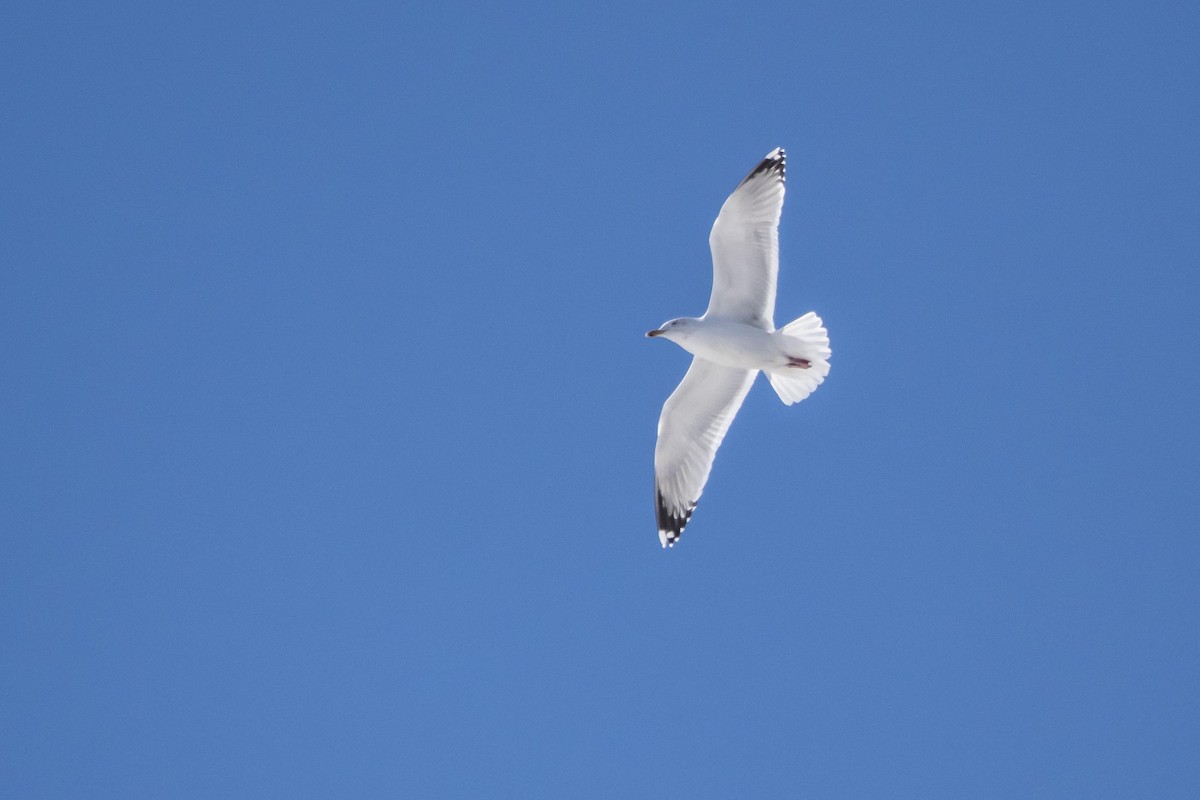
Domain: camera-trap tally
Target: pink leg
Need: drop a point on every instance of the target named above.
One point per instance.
(802, 363)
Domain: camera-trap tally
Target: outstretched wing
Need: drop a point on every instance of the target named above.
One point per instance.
(693, 422)
(745, 246)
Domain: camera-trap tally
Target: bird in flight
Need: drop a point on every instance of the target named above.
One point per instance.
(734, 339)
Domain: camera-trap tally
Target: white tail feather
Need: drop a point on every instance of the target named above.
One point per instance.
(808, 340)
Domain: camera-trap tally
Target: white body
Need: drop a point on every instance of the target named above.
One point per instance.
(734, 344)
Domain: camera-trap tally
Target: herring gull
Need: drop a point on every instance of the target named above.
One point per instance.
(730, 344)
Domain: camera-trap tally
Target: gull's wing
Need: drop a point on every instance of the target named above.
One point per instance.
(693, 423)
(745, 246)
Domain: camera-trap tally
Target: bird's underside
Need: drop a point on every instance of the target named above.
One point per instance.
(694, 420)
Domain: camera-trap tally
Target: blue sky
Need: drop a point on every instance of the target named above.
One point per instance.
(328, 419)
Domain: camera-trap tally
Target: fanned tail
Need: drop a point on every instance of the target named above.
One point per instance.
(807, 340)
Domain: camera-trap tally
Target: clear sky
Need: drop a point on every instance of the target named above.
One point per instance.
(327, 418)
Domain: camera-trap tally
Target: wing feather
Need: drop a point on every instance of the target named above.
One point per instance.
(745, 246)
(694, 420)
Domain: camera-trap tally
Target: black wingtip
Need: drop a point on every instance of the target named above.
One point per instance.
(670, 522)
(774, 165)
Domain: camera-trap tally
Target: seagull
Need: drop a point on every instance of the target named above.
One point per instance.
(734, 340)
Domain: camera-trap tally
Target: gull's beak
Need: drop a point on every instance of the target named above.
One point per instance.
(653, 333)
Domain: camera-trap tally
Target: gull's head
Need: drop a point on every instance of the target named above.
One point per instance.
(675, 329)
